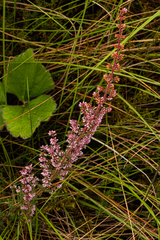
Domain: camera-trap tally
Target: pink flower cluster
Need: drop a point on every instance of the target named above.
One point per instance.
(56, 154)
(77, 139)
(54, 162)
(27, 190)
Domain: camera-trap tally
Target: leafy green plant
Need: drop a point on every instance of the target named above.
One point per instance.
(27, 79)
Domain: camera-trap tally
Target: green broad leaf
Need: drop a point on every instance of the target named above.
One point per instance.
(2, 103)
(27, 78)
(23, 120)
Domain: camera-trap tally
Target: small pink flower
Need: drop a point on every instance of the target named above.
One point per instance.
(100, 88)
(23, 207)
(51, 133)
(23, 172)
(18, 189)
(125, 10)
(109, 98)
(29, 167)
(41, 159)
(59, 186)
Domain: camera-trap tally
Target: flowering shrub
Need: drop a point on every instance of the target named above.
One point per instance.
(56, 163)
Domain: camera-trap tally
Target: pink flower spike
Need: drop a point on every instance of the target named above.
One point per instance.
(56, 164)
